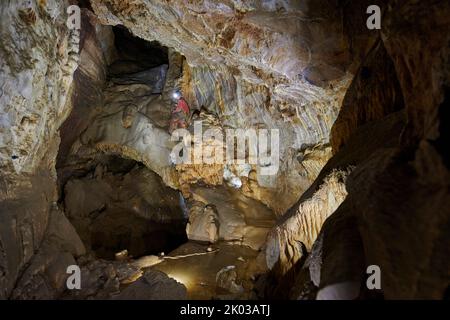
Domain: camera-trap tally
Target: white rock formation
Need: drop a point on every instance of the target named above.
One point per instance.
(38, 55)
(203, 224)
(259, 65)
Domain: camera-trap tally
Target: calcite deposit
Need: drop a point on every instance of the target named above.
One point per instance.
(38, 57)
(255, 71)
(94, 179)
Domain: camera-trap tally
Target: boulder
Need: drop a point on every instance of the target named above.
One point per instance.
(153, 285)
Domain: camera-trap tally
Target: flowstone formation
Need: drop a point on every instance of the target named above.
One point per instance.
(256, 71)
(38, 58)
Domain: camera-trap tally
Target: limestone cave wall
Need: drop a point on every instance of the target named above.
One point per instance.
(86, 167)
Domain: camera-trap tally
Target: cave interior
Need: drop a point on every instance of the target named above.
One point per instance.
(349, 126)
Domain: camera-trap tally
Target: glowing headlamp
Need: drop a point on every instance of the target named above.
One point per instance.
(176, 95)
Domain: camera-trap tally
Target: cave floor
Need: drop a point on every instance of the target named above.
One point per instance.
(198, 272)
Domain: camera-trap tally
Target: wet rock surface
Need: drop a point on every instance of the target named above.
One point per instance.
(153, 285)
(200, 270)
(386, 219)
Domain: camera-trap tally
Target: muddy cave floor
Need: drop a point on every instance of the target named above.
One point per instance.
(198, 272)
(112, 213)
(222, 270)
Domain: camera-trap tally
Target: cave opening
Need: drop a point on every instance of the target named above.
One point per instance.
(116, 204)
(120, 189)
(121, 206)
(134, 54)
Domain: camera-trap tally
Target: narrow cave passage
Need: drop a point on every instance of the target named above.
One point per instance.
(135, 55)
(128, 203)
(116, 204)
(124, 207)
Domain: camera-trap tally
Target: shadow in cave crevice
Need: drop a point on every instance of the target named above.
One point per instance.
(122, 205)
(441, 144)
(134, 54)
(117, 204)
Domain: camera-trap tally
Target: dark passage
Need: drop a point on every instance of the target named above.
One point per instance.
(122, 205)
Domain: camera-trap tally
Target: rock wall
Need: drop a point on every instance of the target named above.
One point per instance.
(97, 52)
(297, 233)
(38, 57)
(283, 65)
(395, 215)
(374, 93)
